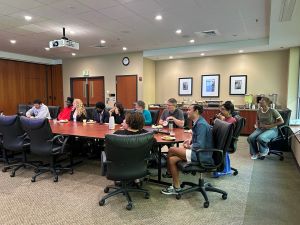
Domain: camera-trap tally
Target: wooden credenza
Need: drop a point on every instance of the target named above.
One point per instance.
(208, 114)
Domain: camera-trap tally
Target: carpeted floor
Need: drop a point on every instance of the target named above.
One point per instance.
(74, 199)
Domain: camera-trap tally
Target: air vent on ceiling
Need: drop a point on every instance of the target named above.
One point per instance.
(98, 46)
(208, 33)
(286, 10)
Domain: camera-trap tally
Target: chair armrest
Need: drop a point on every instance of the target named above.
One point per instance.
(281, 130)
(62, 141)
(213, 150)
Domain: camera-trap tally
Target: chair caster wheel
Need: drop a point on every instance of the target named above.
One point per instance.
(12, 174)
(178, 196)
(36, 170)
(4, 170)
(106, 190)
(32, 180)
(101, 202)
(129, 206)
(55, 179)
(147, 196)
(224, 196)
(71, 171)
(206, 204)
(235, 173)
(182, 185)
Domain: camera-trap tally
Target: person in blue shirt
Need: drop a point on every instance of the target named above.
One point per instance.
(201, 138)
(140, 107)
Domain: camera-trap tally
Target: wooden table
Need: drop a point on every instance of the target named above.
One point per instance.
(99, 131)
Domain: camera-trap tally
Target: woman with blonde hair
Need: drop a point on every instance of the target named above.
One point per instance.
(78, 112)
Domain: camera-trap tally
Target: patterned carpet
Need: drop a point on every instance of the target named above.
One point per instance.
(74, 199)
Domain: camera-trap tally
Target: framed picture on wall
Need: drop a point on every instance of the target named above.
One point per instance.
(185, 86)
(238, 84)
(210, 85)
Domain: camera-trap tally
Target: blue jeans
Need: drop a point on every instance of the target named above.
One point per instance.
(259, 140)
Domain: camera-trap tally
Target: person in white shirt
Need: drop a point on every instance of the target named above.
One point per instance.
(39, 110)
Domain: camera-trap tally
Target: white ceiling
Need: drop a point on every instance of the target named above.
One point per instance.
(249, 24)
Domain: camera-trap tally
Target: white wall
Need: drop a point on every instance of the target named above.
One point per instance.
(267, 73)
(108, 66)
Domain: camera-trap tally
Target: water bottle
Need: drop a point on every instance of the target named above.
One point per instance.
(171, 127)
(111, 123)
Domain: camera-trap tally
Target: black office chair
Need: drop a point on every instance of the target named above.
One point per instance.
(222, 135)
(126, 160)
(89, 112)
(54, 111)
(22, 109)
(154, 115)
(15, 140)
(238, 126)
(281, 143)
(187, 121)
(44, 143)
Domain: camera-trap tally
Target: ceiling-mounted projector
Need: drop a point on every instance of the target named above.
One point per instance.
(64, 42)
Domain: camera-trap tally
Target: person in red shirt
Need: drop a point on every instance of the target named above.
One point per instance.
(66, 112)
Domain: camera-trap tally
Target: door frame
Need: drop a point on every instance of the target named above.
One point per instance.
(136, 78)
(93, 77)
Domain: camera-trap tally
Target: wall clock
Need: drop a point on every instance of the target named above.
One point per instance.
(125, 61)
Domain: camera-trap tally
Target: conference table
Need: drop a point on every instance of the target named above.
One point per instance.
(98, 131)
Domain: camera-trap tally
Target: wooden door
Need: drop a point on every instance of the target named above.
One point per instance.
(78, 89)
(55, 86)
(126, 90)
(96, 90)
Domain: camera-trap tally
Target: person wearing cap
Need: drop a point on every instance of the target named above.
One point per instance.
(140, 107)
(66, 112)
(100, 114)
(39, 110)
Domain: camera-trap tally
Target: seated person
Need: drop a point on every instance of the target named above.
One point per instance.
(100, 114)
(133, 124)
(140, 107)
(201, 138)
(78, 112)
(66, 112)
(118, 112)
(226, 111)
(172, 113)
(266, 128)
(39, 110)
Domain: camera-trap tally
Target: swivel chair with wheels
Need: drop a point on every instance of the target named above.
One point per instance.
(126, 160)
(281, 143)
(15, 140)
(222, 135)
(44, 143)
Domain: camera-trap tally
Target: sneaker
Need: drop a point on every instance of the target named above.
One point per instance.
(254, 156)
(264, 153)
(170, 190)
(167, 175)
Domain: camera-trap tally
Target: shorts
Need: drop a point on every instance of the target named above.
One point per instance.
(190, 155)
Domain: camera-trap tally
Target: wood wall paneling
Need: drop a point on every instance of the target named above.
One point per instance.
(22, 82)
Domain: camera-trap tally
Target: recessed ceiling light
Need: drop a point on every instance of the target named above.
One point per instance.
(28, 18)
(170, 57)
(47, 49)
(202, 54)
(13, 41)
(179, 31)
(102, 41)
(73, 54)
(192, 41)
(241, 51)
(158, 17)
(124, 48)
